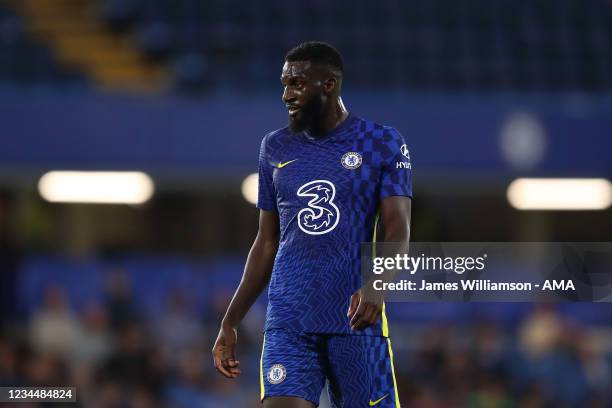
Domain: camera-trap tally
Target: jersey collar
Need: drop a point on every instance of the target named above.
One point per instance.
(343, 126)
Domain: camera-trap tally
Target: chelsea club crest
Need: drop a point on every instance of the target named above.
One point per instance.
(351, 160)
(277, 374)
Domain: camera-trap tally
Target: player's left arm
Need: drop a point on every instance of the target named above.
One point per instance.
(395, 206)
(366, 304)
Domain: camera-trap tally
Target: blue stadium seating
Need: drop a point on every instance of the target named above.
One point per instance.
(25, 61)
(439, 44)
(427, 43)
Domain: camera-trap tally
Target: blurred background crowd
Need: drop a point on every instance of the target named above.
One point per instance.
(123, 301)
(121, 348)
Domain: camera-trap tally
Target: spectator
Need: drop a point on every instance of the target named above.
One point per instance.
(119, 300)
(96, 340)
(54, 329)
(177, 328)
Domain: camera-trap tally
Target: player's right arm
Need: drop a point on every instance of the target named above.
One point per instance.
(256, 276)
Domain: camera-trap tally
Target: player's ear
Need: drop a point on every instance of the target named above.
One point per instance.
(330, 85)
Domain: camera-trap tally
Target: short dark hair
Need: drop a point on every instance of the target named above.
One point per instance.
(317, 52)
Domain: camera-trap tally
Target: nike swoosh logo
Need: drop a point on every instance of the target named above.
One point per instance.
(372, 403)
(281, 165)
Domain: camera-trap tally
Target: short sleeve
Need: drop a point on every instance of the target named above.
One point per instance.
(396, 177)
(266, 197)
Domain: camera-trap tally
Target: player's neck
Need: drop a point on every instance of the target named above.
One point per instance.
(332, 117)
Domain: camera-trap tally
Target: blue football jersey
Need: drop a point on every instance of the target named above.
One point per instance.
(327, 192)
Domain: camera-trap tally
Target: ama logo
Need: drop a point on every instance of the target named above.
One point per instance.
(321, 216)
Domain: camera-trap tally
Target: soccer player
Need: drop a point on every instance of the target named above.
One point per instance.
(327, 183)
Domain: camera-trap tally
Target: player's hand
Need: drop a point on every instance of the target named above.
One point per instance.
(223, 352)
(365, 308)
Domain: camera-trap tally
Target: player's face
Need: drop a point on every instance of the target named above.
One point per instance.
(302, 95)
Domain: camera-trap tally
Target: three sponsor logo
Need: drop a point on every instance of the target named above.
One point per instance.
(322, 215)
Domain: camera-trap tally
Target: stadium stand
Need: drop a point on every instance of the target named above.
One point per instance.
(137, 329)
(25, 61)
(441, 44)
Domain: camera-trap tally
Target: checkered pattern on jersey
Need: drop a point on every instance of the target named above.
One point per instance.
(314, 275)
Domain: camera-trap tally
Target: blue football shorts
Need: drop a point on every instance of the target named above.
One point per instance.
(359, 368)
